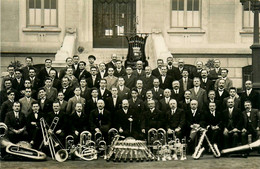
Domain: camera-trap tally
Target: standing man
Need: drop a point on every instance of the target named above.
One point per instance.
(227, 81)
(93, 80)
(199, 94)
(250, 94)
(148, 78)
(26, 102)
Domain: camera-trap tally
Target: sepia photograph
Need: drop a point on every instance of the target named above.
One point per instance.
(130, 84)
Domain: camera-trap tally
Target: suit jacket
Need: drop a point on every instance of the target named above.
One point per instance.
(124, 94)
(78, 123)
(121, 73)
(183, 105)
(227, 85)
(104, 75)
(82, 74)
(103, 122)
(157, 95)
(138, 106)
(57, 84)
(90, 82)
(189, 84)
(148, 82)
(130, 82)
(35, 83)
(68, 93)
(72, 104)
(152, 119)
(156, 72)
(175, 120)
(31, 128)
(237, 102)
(195, 73)
(43, 74)
(90, 105)
(167, 82)
(25, 71)
(13, 123)
(252, 121)
(209, 85)
(201, 97)
(63, 106)
(51, 94)
(18, 86)
(178, 97)
(214, 74)
(121, 120)
(110, 64)
(62, 120)
(178, 73)
(253, 97)
(45, 107)
(224, 95)
(233, 121)
(26, 106)
(6, 107)
(139, 76)
(105, 95)
(111, 82)
(111, 107)
(199, 118)
(163, 105)
(86, 93)
(142, 94)
(157, 104)
(63, 72)
(214, 120)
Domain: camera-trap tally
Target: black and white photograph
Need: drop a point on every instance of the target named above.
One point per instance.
(130, 84)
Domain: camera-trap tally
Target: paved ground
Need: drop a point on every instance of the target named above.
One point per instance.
(208, 161)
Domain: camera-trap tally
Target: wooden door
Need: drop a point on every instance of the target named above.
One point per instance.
(112, 20)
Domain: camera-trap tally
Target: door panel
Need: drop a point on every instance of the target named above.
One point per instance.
(112, 19)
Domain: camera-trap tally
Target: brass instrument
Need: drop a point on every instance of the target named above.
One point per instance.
(21, 149)
(161, 135)
(50, 139)
(112, 148)
(250, 146)
(152, 136)
(111, 134)
(214, 148)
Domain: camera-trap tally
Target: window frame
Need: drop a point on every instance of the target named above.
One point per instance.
(185, 16)
(42, 16)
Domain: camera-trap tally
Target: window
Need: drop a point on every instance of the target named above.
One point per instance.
(186, 13)
(42, 13)
(248, 16)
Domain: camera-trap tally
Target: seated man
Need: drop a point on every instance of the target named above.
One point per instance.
(100, 119)
(175, 120)
(232, 124)
(251, 123)
(16, 123)
(78, 122)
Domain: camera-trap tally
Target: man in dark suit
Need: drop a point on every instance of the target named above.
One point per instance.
(51, 92)
(100, 119)
(233, 95)
(170, 67)
(92, 102)
(66, 89)
(177, 92)
(214, 120)
(178, 71)
(7, 106)
(46, 71)
(93, 81)
(164, 102)
(18, 82)
(16, 123)
(123, 119)
(148, 97)
(140, 89)
(103, 93)
(63, 103)
(139, 72)
(75, 64)
(69, 62)
(232, 124)
(33, 125)
(45, 104)
(123, 91)
(206, 83)
(82, 72)
(56, 82)
(112, 63)
(157, 71)
(175, 120)
(113, 103)
(215, 73)
(185, 103)
(152, 118)
(221, 93)
(156, 90)
(61, 127)
(78, 122)
(26, 68)
(7, 87)
(251, 123)
(85, 91)
(212, 99)
(148, 78)
(250, 94)
(195, 119)
(165, 80)
(130, 78)
(34, 80)
(227, 81)
(197, 71)
(185, 82)
(136, 103)
(102, 70)
(119, 70)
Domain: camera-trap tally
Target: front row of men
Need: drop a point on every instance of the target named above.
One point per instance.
(230, 124)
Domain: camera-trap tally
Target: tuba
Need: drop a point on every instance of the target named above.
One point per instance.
(19, 149)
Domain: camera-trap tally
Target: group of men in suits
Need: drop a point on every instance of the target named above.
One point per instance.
(132, 101)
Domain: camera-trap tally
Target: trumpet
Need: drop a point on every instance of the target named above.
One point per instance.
(19, 149)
